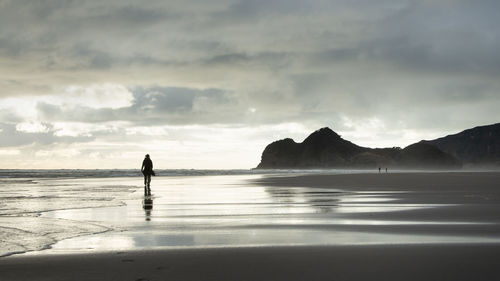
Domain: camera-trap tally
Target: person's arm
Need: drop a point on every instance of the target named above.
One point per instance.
(142, 168)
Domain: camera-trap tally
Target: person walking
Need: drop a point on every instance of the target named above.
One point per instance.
(147, 171)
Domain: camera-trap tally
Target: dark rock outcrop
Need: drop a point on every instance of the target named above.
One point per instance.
(476, 146)
(280, 154)
(323, 148)
(326, 149)
(423, 155)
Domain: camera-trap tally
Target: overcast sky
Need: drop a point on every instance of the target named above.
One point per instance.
(208, 84)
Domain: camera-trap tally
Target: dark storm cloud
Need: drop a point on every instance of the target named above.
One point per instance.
(252, 10)
(291, 61)
(130, 16)
(78, 34)
(158, 100)
(91, 58)
(273, 60)
(442, 35)
(445, 36)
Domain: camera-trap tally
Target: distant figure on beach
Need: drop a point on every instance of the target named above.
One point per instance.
(379, 170)
(386, 170)
(147, 171)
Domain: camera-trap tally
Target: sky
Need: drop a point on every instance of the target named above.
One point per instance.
(208, 84)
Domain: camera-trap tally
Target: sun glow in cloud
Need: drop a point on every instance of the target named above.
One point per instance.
(9, 152)
(32, 127)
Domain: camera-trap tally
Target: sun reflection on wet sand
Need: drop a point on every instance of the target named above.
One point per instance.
(229, 211)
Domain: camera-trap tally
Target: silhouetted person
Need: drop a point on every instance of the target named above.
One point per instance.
(379, 170)
(147, 171)
(386, 170)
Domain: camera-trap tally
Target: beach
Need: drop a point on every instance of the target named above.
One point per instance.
(309, 226)
(409, 262)
(250, 140)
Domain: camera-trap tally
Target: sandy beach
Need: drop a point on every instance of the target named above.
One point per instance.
(395, 226)
(398, 181)
(409, 262)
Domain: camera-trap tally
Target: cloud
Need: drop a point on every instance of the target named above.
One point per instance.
(32, 127)
(93, 69)
(9, 115)
(94, 96)
(28, 134)
(155, 105)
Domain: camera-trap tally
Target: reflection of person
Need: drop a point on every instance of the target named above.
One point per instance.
(147, 171)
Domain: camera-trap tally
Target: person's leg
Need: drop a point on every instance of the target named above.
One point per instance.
(149, 184)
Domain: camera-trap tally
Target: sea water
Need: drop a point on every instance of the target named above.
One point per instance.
(27, 196)
(82, 210)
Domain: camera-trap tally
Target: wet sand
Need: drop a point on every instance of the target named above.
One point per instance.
(439, 206)
(409, 262)
(400, 181)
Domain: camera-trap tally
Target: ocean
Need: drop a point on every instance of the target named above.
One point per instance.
(113, 173)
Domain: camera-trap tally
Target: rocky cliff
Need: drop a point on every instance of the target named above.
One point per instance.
(326, 149)
(476, 146)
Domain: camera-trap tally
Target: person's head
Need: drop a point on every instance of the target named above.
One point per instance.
(147, 155)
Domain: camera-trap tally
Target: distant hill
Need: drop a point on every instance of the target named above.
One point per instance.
(476, 146)
(426, 155)
(326, 149)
